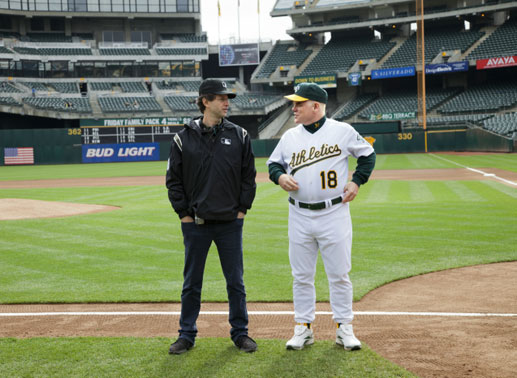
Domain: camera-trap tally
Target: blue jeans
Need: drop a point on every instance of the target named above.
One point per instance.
(228, 239)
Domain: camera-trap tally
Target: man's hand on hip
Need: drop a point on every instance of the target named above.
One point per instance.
(288, 183)
(350, 191)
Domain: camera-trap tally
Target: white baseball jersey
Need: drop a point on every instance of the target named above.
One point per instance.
(319, 161)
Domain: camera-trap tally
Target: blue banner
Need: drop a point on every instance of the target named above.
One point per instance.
(108, 153)
(354, 79)
(446, 67)
(393, 72)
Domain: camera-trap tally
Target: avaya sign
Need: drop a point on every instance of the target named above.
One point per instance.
(505, 61)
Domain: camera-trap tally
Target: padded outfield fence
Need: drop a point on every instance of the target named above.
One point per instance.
(63, 146)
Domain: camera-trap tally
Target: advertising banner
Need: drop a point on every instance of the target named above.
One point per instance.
(151, 121)
(506, 61)
(109, 153)
(446, 67)
(393, 72)
(392, 116)
(324, 81)
(239, 55)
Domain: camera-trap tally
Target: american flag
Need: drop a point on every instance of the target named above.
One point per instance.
(18, 155)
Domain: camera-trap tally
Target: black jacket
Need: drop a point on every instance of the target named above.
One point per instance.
(212, 177)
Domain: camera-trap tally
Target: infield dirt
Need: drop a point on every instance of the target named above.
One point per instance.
(432, 345)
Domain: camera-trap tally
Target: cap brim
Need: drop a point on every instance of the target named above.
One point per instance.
(229, 94)
(296, 98)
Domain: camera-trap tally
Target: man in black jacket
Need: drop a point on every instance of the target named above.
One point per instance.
(211, 183)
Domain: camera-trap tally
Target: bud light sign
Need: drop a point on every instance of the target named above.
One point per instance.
(108, 153)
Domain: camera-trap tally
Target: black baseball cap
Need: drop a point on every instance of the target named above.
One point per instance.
(308, 91)
(216, 87)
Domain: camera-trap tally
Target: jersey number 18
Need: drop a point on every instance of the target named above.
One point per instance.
(328, 180)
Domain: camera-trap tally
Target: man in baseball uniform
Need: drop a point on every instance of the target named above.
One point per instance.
(311, 163)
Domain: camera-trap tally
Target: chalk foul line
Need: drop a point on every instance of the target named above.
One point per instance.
(485, 174)
(268, 313)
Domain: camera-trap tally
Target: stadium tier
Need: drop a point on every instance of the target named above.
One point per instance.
(504, 124)
(9, 101)
(181, 51)
(436, 42)
(180, 86)
(254, 101)
(72, 105)
(354, 105)
(284, 54)
(502, 42)
(8, 88)
(483, 98)
(182, 103)
(406, 101)
(185, 38)
(124, 51)
(340, 54)
(129, 104)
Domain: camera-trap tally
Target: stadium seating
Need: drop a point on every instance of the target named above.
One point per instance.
(9, 101)
(181, 103)
(64, 51)
(181, 51)
(72, 105)
(283, 54)
(122, 86)
(5, 50)
(124, 51)
(254, 101)
(339, 55)
(406, 101)
(132, 86)
(453, 120)
(436, 41)
(8, 88)
(129, 104)
(500, 43)
(101, 86)
(185, 38)
(65, 87)
(180, 86)
(26, 50)
(483, 98)
(35, 85)
(351, 107)
(504, 124)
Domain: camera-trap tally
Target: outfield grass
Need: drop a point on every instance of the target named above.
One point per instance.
(401, 229)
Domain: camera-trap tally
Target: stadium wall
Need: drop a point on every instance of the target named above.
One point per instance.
(64, 146)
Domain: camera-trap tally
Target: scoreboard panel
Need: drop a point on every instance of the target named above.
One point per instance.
(135, 130)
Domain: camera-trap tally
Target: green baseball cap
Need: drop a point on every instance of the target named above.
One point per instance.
(308, 91)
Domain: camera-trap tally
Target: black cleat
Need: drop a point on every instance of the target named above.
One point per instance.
(180, 346)
(246, 344)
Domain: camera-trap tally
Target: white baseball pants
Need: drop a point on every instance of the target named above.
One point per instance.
(329, 231)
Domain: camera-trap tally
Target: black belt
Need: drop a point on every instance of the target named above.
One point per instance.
(317, 205)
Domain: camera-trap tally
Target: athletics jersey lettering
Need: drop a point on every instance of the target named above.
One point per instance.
(303, 159)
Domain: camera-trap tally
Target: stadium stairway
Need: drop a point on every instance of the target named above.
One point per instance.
(279, 121)
(315, 51)
(399, 41)
(96, 109)
(166, 108)
(289, 124)
(488, 30)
